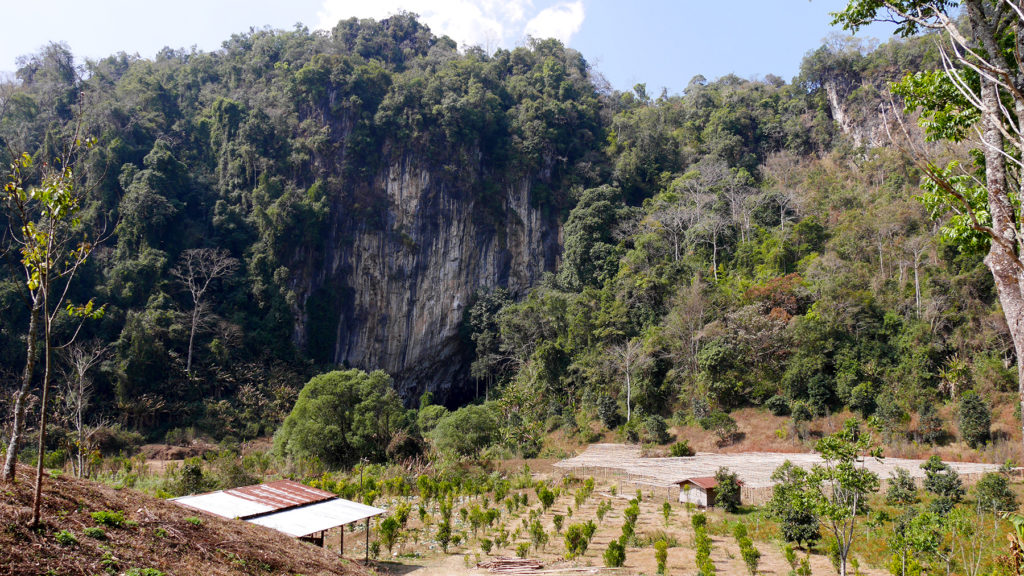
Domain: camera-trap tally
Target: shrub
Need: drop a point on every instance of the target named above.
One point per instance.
(523, 549)
(681, 448)
(95, 532)
(109, 518)
(143, 572)
(387, 531)
(666, 511)
(558, 520)
(777, 405)
(727, 493)
(337, 418)
(661, 556)
(656, 430)
(902, 491)
(751, 555)
(608, 411)
(699, 521)
(975, 419)
(486, 545)
(615, 554)
(444, 535)
(194, 521)
(66, 538)
(576, 541)
(993, 493)
(944, 482)
(723, 425)
(930, 425)
(467, 430)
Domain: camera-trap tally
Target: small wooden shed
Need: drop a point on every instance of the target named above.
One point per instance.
(698, 491)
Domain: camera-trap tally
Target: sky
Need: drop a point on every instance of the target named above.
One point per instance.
(662, 43)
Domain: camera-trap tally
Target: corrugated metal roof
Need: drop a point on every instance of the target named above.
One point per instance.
(311, 518)
(224, 504)
(281, 494)
(705, 482)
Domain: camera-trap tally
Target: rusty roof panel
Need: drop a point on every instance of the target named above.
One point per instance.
(705, 482)
(281, 494)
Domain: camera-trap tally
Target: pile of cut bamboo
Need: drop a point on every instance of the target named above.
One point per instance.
(507, 565)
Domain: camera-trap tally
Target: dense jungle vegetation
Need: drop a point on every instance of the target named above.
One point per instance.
(729, 247)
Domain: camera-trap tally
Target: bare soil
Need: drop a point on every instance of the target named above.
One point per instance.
(161, 537)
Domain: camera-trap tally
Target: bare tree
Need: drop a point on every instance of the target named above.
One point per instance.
(628, 356)
(197, 270)
(77, 392)
(916, 248)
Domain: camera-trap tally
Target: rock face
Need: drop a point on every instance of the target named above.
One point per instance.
(392, 294)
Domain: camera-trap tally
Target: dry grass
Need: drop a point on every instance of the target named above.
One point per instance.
(161, 537)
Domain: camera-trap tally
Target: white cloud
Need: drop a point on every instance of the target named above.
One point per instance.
(486, 23)
(561, 21)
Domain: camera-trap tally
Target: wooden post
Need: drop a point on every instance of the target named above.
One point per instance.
(341, 545)
(367, 539)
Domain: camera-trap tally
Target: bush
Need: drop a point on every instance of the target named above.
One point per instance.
(944, 482)
(751, 555)
(338, 417)
(66, 538)
(95, 532)
(523, 549)
(681, 449)
(608, 411)
(467, 430)
(727, 493)
(615, 554)
(778, 405)
(656, 430)
(902, 491)
(558, 520)
(109, 518)
(661, 556)
(930, 425)
(975, 419)
(723, 425)
(576, 541)
(143, 572)
(993, 493)
(194, 521)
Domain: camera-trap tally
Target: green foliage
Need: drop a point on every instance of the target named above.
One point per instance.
(681, 448)
(902, 490)
(523, 549)
(194, 521)
(944, 482)
(94, 532)
(666, 511)
(615, 554)
(557, 520)
(342, 416)
(109, 518)
(467, 430)
(993, 493)
(66, 538)
(975, 419)
(727, 492)
(143, 572)
(661, 556)
(576, 540)
(388, 531)
(723, 425)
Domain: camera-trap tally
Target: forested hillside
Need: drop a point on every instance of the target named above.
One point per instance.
(502, 226)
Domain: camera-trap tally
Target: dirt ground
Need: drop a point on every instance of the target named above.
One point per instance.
(462, 559)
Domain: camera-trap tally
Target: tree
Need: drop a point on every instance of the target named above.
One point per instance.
(45, 227)
(342, 416)
(839, 486)
(615, 554)
(197, 270)
(994, 495)
(977, 96)
(792, 505)
(975, 419)
(942, 481)
(576, 541)
(628, 356)
(76, 397)
(902, 491)
(727, 492)
(466, 431)
(388, 531)
(661, 556)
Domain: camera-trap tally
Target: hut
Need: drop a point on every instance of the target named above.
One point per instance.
(290, 507)
(699, 491)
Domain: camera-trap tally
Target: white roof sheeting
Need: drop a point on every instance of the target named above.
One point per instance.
(312, 518)
(224, 504)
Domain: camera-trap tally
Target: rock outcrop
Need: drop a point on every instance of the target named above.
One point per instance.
(393, 296)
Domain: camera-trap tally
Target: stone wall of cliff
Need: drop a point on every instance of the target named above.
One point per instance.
(392, 296)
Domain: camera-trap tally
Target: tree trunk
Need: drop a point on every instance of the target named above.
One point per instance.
(20, 399)
(1002, 259)
(191, 338)
(37, 499)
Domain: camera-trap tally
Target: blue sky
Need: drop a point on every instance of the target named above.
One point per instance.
(662, 43)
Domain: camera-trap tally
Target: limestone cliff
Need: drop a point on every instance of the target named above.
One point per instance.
(392, 294)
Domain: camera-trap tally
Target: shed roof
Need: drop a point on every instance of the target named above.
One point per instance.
(703, 482)
(286, 506)
(312, 518)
